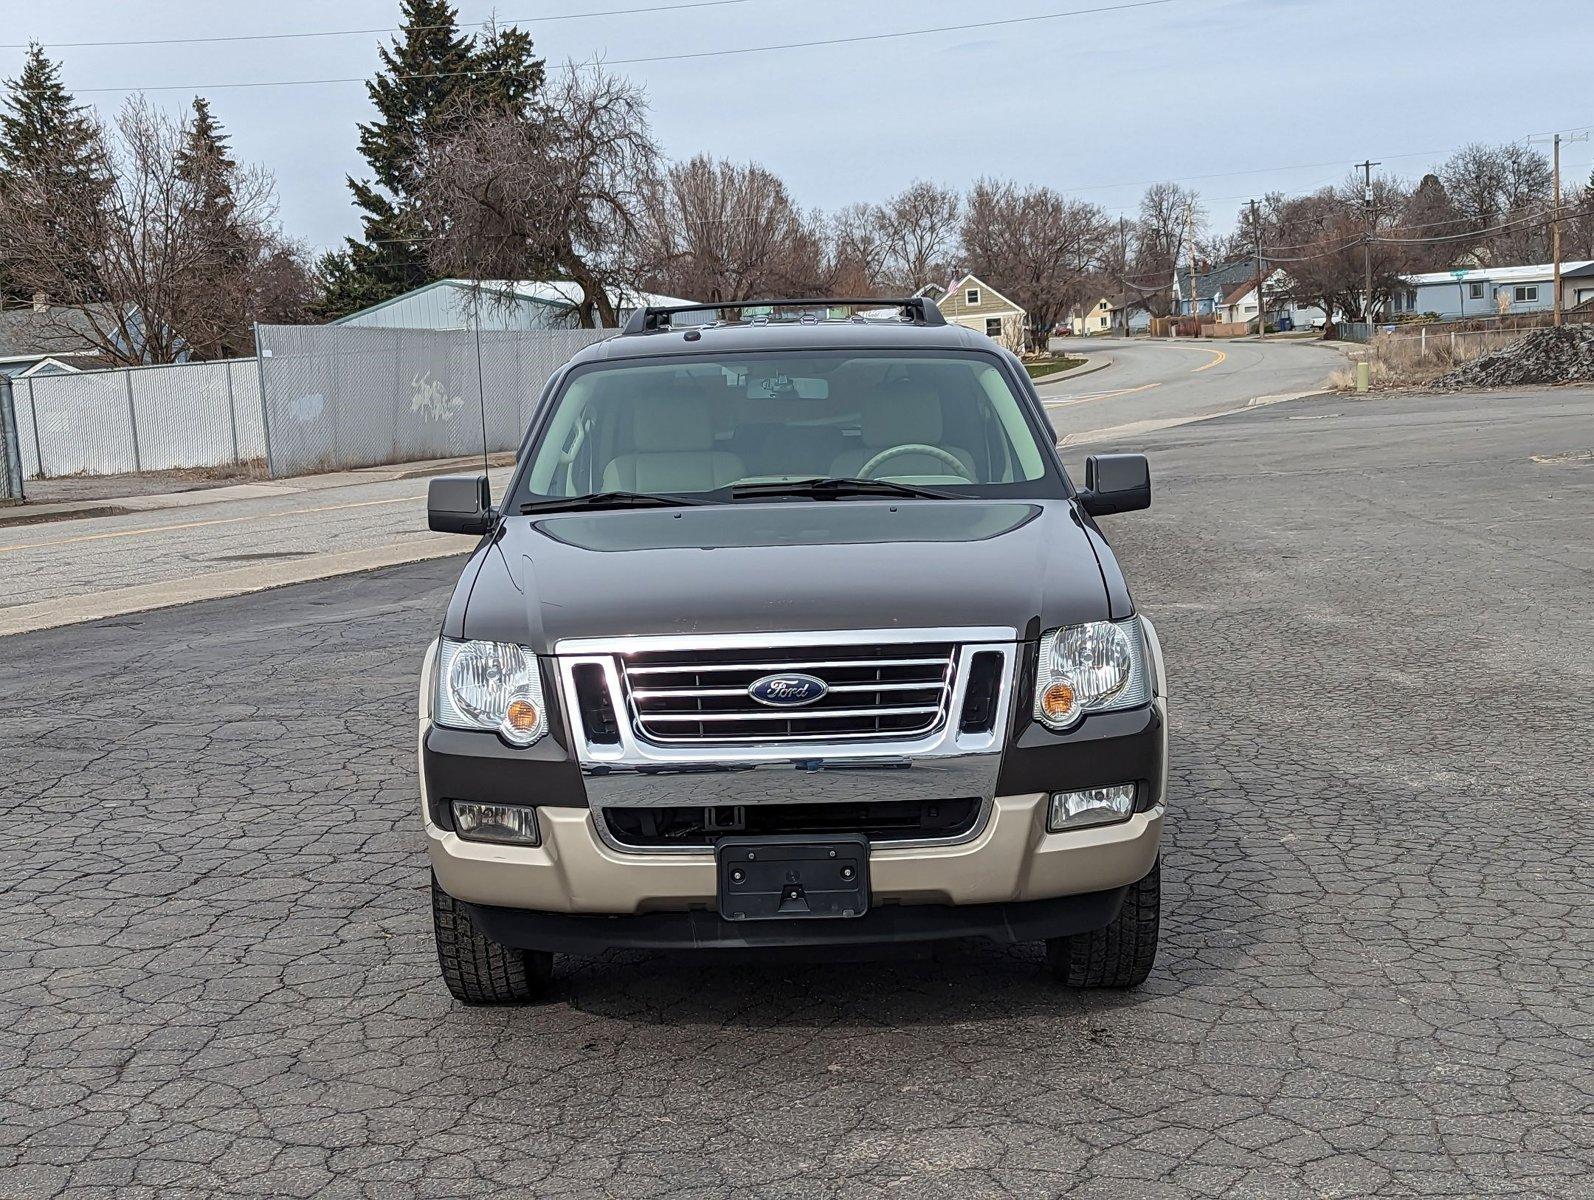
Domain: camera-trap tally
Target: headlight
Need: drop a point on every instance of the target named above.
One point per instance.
(1094, 667)
(490, 685)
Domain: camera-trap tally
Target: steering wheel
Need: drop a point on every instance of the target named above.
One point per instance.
(951, 460)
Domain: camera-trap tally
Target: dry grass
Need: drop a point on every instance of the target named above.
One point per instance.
(1407, 360)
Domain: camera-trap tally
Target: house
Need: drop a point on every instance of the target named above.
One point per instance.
(45, 339)
(1494, 291)
(1212, 284)
(1096, 320)
(499, 304)
(975, 304)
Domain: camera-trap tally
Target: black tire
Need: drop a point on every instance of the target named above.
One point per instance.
(479, 970)
(1122, 954)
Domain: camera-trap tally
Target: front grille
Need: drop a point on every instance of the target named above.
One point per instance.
(878, 820)
(895, 690)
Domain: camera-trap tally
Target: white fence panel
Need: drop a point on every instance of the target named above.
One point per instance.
(244, 388)
(140, 419)
(340, 396)
(79, 424)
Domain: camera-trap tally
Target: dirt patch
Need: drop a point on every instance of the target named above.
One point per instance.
(66, 488)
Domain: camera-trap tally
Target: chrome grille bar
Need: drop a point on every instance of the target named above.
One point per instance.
(873, 692)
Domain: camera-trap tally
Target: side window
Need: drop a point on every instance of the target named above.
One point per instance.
(1527, 295)
(993, 327)
(972, 297)
(1474, 291)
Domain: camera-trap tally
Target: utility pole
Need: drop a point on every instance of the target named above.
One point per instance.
(1555, 236)
(1189, 241)
(1555, 223)
(1261, 304)
(1367, 242)
(1123, 262)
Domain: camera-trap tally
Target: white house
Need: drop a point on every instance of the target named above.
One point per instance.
(1495, 291)
(1095, 320)
(504, 304)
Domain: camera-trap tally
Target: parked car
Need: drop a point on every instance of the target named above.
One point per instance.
(791, 632)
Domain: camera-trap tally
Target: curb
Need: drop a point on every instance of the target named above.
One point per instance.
(1090, 368)
(1113, 432)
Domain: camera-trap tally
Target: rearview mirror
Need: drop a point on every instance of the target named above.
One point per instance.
(1116, 483)
(459, 504)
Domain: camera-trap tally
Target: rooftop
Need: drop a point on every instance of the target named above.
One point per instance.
(1523, 274)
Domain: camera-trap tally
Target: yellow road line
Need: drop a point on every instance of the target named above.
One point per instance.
(1221, 355)
(119, 533)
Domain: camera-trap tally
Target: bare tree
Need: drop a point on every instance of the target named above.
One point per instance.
(857, 250)
(1170, 216)
(1321, 245)
(717, 230)
(919, 229)
(1036, 246)
(1501, 194)
(149, 265)
(550, 189)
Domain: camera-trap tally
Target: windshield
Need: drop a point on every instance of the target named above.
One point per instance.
(718, 425)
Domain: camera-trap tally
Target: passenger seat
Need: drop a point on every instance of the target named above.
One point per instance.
(674, 440)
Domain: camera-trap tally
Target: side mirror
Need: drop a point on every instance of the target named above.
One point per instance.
(459, 504)
(1116, 483)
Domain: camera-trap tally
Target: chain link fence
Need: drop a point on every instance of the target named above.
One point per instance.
(318, 398)
(140, 419)
(337, 396)
(10, 447)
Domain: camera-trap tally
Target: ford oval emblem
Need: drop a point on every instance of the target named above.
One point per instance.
(787, 691)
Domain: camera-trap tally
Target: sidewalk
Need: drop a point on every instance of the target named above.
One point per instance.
(64, 563)
(107, 500)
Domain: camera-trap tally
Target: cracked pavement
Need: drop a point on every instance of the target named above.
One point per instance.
(217, 974)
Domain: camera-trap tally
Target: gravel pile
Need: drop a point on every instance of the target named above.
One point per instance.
(1549, 355)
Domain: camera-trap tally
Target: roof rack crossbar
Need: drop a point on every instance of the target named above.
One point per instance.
(919, 309)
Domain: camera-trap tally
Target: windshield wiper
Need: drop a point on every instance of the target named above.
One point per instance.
(823, 489)
(611, 500)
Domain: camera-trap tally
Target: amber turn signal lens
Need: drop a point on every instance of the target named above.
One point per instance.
(1057, 701)
(522, 715)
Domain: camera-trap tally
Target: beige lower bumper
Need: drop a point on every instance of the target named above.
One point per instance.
(1013, 858)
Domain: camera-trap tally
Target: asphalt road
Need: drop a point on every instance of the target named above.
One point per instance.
(216, 970)
(1154, 385)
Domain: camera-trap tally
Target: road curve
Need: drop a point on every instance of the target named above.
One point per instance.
(1155, 384)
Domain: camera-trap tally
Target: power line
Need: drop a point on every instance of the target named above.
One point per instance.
(659, 58)
(323, 33)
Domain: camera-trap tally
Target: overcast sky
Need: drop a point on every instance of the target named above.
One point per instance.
(1233, 97)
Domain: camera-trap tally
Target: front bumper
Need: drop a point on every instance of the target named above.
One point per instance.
(554, 895)
(1011, 859)
(895, 924)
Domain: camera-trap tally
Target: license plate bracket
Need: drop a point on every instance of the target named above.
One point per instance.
(792, 877)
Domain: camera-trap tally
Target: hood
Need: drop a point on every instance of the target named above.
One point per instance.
(759, 568)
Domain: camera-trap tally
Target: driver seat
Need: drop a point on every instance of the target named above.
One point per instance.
(900, 415)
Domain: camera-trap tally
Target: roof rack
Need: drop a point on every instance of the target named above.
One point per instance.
(919, 309)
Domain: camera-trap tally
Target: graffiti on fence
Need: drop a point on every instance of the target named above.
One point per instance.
(431, 398)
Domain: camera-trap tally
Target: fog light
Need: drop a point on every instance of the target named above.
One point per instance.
(1092, 806)
(509, 824)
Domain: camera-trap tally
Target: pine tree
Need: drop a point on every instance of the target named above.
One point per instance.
(48, 143)
(206, 163)
(428, 68)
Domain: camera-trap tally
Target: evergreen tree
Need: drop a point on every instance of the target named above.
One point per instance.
(205, 162)
(48, 144)
(428, 70)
